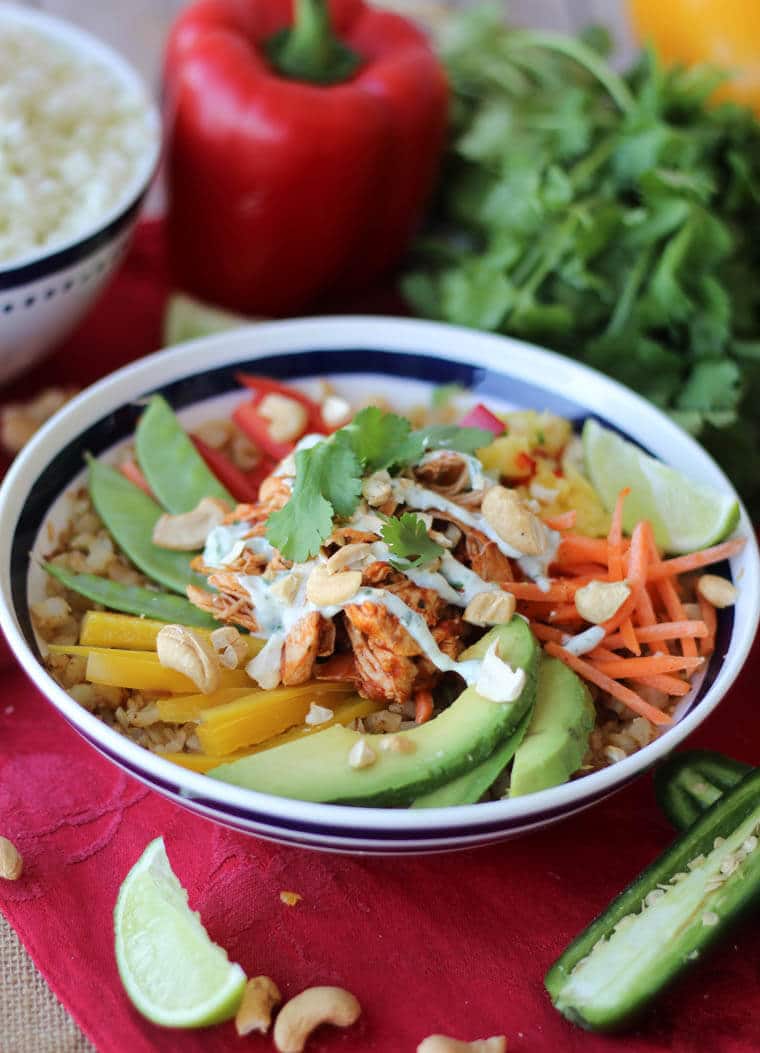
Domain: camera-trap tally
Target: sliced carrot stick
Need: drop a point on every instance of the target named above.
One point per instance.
(710, 618)
(647, 665)
(628, 634)
(565, 521)
(659, 633)
(671, 601)
(612, 687)
(667, 568)
(615, 538)
(564, 612)
(669, 685)
(592, 571)
(577, 548)
(547, 632)
(559, 591)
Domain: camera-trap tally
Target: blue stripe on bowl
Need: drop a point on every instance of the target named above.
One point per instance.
(184, 393)
(12, 277)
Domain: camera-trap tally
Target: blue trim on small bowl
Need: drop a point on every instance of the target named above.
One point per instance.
(13, 277)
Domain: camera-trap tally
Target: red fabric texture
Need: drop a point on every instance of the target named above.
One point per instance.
(456, 944)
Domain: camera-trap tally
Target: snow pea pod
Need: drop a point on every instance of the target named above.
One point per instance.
(176, 472)
(130, 516)
(132, 599)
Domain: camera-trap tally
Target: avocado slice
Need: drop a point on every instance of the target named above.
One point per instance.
(558, 733)
(470, 787)
(317, 769)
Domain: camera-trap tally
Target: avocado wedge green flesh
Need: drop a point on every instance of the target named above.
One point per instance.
(470, 787)
(558, 733)
(316, 768)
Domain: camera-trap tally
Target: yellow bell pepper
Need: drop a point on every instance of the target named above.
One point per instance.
(722, 33)
(106, 629)
(141, 670)
(263, 714)
(353, 708)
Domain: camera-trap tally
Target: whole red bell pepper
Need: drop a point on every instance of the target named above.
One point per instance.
(301, 151)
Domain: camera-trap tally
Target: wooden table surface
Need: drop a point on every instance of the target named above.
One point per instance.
(33, 1021)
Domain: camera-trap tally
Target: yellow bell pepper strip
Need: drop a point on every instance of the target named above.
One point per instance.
(262, 714)
(352, 709)
(179, 709)
(141, 670)
(106, 629)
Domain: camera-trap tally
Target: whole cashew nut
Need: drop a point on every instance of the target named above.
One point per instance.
(312, 1007)
(259, 999)
(444, 1044)
(186, 652)
(188, 531)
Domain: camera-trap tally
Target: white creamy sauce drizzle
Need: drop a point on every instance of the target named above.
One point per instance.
(453, 581)
(479, 479)
(584, 642)
(535, 567)
(224, 544)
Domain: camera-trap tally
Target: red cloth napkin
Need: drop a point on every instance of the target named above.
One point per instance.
(456, 944)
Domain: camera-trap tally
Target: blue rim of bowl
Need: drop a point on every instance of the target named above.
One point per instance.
(185, 392)
(70, 255)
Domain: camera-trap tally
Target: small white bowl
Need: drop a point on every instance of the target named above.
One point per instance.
(45, 293)
(360, 355)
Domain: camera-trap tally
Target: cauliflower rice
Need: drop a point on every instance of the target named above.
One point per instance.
(72, 139)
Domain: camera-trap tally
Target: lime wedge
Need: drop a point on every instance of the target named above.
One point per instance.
(186, 319)
(172, 972)
(684, 515)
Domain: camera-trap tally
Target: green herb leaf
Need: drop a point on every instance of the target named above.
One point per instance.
(443, 395)
(376, 439)
(407, 538)
(328, 483)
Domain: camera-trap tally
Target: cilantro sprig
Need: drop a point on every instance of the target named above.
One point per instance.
(611, 217)
(407, 538)
(329, 475)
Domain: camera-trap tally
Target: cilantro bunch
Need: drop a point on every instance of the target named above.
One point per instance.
(613, 218)
(329, 475)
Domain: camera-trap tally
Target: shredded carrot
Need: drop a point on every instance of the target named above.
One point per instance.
(565, 521)
(547, 632)
(564, 612)
(667, 568)
(669, 685)
(661, 632)
(612, 687)
(592, 571)
(577, 548)
(423, 707)
(560, 590)
(615, 538)
(647, 665)
(672, 602)
(710, 619)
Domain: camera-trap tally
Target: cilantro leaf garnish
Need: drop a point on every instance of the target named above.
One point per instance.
(328, 482)
(407, 538)
(377, 439)
(329, 475)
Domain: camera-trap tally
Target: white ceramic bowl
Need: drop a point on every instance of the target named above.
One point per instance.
(44, 294)
(402, 358)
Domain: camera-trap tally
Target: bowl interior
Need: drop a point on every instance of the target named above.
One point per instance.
(401, 360)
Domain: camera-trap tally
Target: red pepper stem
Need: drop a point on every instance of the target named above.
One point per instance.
(309, 50)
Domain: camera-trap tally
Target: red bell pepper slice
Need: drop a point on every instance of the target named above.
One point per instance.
(244, 486)
(256, 428)
(481, 417)
(130, 470)
(263, 386)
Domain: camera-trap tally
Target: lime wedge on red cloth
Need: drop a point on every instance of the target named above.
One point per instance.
(173, 973)
(685, 515)
(187, 319)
